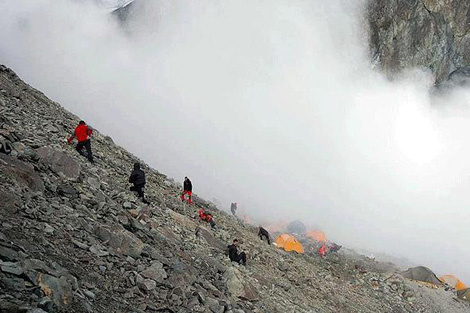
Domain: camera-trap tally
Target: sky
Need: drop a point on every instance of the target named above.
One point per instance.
(273, 104)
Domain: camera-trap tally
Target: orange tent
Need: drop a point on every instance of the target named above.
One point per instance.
(453, 281)
(289, 243)
(316, 235)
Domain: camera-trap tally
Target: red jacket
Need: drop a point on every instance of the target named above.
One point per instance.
(82, 132)
(203, 216)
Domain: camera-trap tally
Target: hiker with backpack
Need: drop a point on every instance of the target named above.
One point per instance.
(234, 255)
(233, 208)
(263, 233)
(83, 134)
(137, 178)
(187, 190)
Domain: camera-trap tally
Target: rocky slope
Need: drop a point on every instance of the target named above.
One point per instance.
(431, 34)
(74, 239)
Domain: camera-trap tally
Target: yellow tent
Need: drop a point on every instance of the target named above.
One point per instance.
(453, 281)
(289, 243)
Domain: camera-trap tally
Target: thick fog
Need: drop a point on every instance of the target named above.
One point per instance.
(273, 104)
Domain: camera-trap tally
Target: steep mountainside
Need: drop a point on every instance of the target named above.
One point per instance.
(74, 239)
(432, 34)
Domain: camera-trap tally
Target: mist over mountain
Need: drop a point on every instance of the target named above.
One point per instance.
(277, 105)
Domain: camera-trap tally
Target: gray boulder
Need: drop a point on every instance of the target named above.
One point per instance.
(155, 272)
(121, 240)
(59, 162)
(238, 287)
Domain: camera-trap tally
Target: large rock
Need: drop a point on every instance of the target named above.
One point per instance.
(57, 288)
(121, 240)
(54, 283)
(21, 172)
(155, 272)
(147, 285)
(211, 240)
(8, 253)
(8, 202)
(59, 162)
(238, 287)
(67, 190)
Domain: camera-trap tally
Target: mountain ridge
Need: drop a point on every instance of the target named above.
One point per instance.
(74, 239)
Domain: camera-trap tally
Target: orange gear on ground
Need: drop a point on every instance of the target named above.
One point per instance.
(453, 281)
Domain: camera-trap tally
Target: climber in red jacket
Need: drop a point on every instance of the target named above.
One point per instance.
(83, 134)
(206, 217)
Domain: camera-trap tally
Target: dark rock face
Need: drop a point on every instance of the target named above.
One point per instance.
(460, 77)
(432, 34)
(20, 172)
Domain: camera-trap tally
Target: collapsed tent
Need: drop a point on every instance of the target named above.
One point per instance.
(316, 235)
(464, 294)
(421, 273)
(453, 281)
(289, 243)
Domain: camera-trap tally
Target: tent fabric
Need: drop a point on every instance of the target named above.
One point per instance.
(464, 294)
(289, 243)
(422, 273)
(316, 235)
(453, 281)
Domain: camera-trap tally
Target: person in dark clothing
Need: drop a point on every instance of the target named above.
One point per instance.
(263, 233)
(334, 247)
(83, 133)
(138, 179)
(233, 208)
(187, 190)
(234, 255)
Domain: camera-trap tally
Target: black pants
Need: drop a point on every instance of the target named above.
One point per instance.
(139, 189)
(241, 258)
(267, 238)
(87, 145)
(212, 223)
